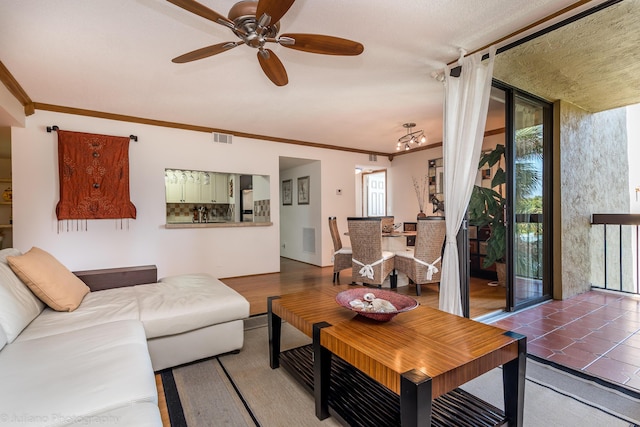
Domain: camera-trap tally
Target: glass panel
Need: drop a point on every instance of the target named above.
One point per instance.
(528, 204)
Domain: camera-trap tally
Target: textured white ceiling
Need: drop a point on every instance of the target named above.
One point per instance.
(115, 56)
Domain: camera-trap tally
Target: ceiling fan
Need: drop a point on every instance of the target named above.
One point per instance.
(257, 23)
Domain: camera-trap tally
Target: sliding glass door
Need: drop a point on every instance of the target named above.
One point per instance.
(529, 200)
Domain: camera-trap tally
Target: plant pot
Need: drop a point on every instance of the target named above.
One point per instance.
(421, 215)
(501, 269)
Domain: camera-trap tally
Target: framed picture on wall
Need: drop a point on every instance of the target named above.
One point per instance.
(287, 197)
(303, 190)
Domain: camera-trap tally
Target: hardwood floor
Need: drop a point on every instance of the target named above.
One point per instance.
(297, 276)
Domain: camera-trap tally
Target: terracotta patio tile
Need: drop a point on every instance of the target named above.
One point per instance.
(634, 382)
(529, 315)
(530, 332)
(607, 313)
(574, 330)
(571, 362)
(632, 315)
(563, 304)
(547, 324)
(624, 324)
(608, 332)
(627, 303)
(627, 354)
(583, 296)
(612, 370)
(594, 344)
(581, 355)
(591, 322)
(547, 309)
(536, 350)
(633, 340)
(508, 323)
(563, 316)
(578, 311)
(598, 297)
(553, 341)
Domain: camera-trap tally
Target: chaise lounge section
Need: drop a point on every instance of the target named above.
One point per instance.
(96, 362)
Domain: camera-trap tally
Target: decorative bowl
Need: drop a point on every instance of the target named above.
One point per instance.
(401, 302)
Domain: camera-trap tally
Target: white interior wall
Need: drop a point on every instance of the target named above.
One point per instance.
(294, 218)
(222, 252)
(402, 195)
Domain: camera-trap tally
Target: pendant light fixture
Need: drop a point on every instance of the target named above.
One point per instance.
(412, 138)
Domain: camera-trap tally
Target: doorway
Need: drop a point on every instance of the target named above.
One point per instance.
(374, 194)
(518, 137)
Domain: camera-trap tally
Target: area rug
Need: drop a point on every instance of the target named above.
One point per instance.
(242, 390)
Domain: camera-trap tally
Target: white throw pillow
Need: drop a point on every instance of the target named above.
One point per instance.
(18, 305)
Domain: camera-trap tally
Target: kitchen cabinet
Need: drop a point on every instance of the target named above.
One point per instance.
(192, 193)
(182, 186)
(214, 187)
(222, 187)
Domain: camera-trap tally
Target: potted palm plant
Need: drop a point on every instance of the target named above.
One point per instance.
(486, 208)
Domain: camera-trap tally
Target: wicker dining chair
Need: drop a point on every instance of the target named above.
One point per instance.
(370, 264)
(422, 265)
(341, 254)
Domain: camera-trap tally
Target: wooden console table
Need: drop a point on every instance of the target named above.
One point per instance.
(421, 356)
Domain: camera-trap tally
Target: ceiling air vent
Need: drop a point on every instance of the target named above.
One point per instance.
(222, 138)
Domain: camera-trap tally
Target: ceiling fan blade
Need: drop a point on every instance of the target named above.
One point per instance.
(274, 8)
(203, 11)
(327, 45)
(205, 52)
(272, 67)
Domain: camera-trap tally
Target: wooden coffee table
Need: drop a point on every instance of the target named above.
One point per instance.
(419, 355)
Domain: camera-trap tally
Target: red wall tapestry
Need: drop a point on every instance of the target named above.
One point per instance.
(94, 176)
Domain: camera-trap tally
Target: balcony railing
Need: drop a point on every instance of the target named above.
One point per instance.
(615, 252)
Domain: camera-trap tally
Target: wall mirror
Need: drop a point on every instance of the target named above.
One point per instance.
(194, 196)
(436, 182)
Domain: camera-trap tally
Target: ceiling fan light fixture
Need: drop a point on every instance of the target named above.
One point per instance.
(256, 23)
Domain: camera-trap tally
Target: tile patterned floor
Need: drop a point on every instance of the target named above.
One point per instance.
(596, 332)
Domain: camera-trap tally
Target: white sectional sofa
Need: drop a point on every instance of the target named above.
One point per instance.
(95, 364)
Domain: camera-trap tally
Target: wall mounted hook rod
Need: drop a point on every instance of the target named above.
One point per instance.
(52, 128)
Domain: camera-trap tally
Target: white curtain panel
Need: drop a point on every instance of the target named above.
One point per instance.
(465, 114)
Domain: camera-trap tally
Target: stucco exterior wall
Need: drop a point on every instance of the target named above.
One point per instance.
(593, 179)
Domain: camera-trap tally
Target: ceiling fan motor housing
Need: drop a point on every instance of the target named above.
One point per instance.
(243, 14)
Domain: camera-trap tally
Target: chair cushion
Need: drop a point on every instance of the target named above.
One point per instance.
(18, 305)
(408, 253)
(387, 254)
(344, 250)
(51, 281)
